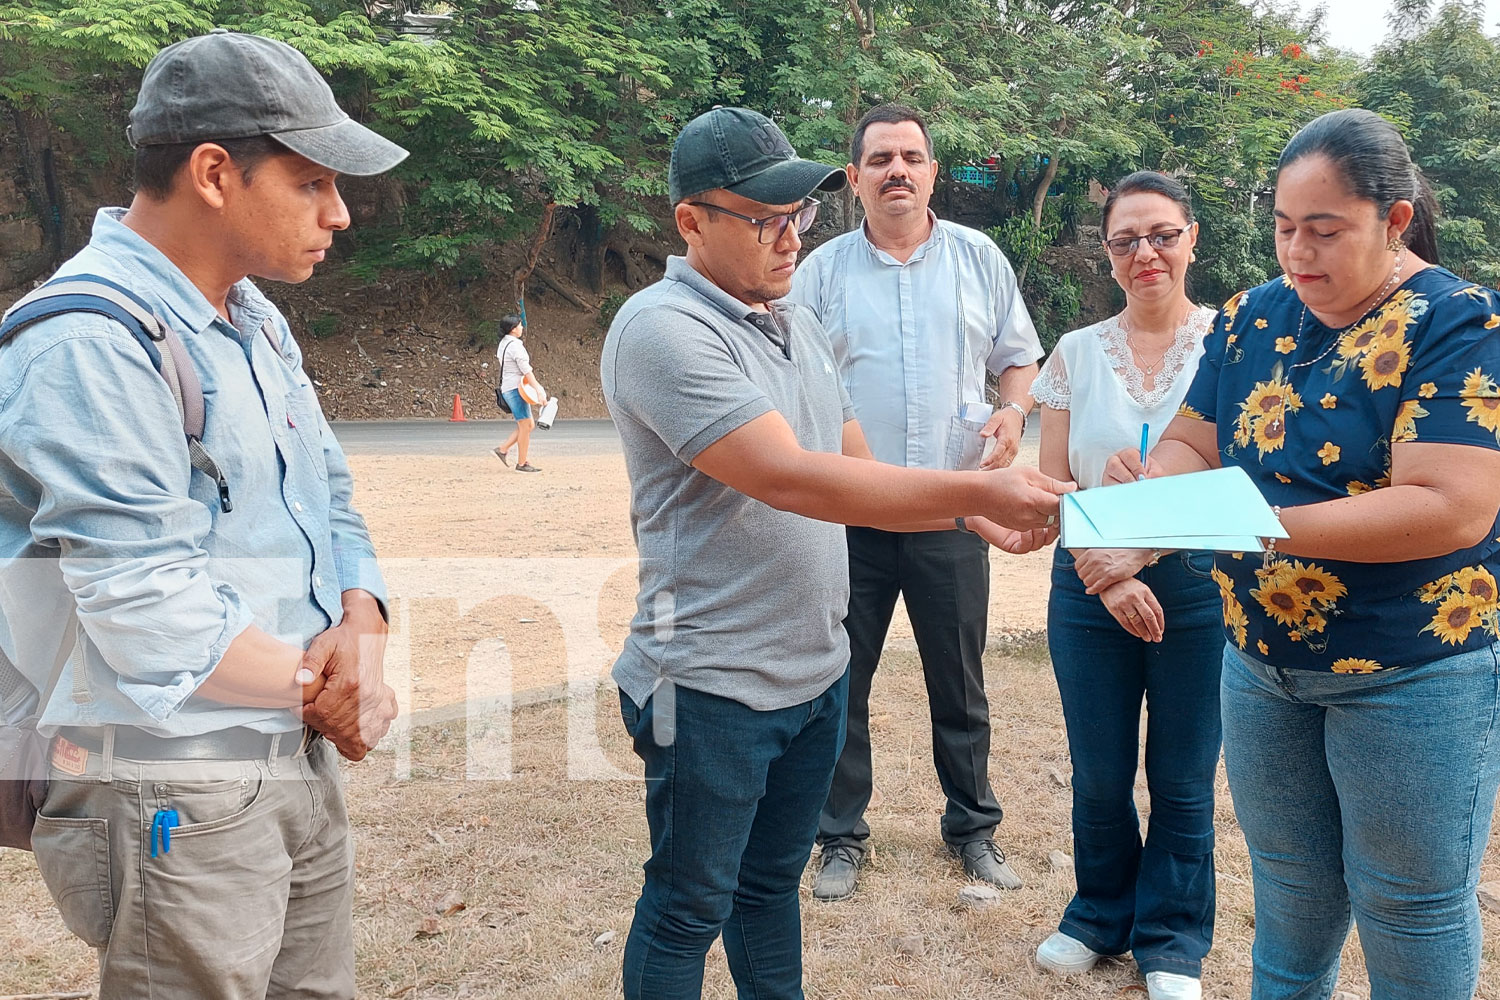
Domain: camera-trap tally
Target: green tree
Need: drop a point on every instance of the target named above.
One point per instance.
(1225, 89)
(1440, 83)
(69, 70)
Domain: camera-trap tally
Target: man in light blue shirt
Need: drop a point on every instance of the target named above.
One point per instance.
(194, 830)
(918, 311)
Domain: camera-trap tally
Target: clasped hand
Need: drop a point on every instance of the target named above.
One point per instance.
(343, 670)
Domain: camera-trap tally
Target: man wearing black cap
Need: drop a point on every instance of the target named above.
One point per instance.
(744, 459)
(197, 625)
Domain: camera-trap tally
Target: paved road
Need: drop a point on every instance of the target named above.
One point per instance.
(472, 437)
(475, 437)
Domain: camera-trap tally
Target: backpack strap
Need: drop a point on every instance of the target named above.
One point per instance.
(91, 293)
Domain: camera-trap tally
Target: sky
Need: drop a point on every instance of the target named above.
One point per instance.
(1361, 24)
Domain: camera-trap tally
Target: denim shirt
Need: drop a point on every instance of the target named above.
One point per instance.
(100, 509)
(913, 339)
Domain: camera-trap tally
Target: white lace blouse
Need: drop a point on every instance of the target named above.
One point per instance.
(1092, 376)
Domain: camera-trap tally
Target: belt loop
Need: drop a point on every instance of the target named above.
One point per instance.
(273, 763)
(305, 747)
(107, 757)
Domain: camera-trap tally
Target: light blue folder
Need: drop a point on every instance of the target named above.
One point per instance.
(1219, 510)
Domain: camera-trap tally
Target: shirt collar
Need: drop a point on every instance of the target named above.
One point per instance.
(679, 270)
(933, 239)
(170, 286)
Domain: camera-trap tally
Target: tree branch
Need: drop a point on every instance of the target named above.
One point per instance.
(866, 33)
(534, 253)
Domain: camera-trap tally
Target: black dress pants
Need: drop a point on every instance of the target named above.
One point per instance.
(944, 577)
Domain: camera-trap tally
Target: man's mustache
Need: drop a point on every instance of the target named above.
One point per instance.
(898, 182)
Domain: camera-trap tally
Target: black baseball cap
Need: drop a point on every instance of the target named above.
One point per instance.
(742, 151)
(229, 85)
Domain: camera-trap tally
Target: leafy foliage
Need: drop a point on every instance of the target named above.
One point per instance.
(520, 109)
(1442, 87)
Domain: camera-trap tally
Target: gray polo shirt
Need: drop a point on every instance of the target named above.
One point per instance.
(737, 599)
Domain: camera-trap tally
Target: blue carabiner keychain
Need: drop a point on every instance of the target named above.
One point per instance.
(162, 825)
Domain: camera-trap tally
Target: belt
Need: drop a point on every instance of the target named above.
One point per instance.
(228, 744)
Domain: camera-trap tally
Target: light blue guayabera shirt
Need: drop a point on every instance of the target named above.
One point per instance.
(100, 509)
(913, 340)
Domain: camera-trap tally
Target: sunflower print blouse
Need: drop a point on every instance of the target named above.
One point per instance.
(1424, 366)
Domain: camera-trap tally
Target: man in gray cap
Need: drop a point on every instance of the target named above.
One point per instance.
(196, 636)
(744, 460)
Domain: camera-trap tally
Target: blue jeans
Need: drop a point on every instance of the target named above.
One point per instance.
(1155, 899)
(732, 802)
(1369, 794)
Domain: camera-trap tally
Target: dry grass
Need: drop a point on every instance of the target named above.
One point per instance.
(547, 864)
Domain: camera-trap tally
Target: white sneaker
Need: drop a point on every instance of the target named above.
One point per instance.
(1066, 956)
(1171, 986)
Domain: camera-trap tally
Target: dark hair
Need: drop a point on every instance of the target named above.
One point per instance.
(156, 167)
(1376, 165)
(508, 323)
(1147, 182)
(886, 114)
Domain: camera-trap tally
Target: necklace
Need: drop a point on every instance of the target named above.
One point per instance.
(1149, 368)
(1339, 334)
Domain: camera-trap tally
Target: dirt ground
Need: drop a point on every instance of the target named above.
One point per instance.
(486, 559)
(499, 846)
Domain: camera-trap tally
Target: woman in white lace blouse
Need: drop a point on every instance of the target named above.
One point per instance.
(1126, 625)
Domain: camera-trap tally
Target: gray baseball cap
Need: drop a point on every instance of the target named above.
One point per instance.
(742, 151)
(228, 85)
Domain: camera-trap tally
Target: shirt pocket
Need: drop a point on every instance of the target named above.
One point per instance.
(305, 424)
(965, 446)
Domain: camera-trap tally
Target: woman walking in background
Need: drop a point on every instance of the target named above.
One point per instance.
(1125, 625)
(1361, 680)
(515, 371)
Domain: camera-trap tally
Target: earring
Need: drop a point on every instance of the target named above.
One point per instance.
(1192, 257)
(1395, 245)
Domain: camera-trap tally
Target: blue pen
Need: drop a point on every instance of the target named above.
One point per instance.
(1145, 437)
(162, 825)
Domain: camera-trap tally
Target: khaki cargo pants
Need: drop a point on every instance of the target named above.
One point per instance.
(254, 900)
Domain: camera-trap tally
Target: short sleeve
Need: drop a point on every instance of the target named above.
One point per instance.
(1016, 342)
(1202, 399)
(675, 375)
(1451, 393)
(1051, 386)
(522, 359)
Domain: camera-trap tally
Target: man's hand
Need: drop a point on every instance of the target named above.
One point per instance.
(1136, 609)
(1100, 569)
(1005, 426)
(1015, 542)
(356, 707)
(1023, 499)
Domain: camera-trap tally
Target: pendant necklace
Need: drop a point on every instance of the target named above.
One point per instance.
(1339, 334)
(1140, 357)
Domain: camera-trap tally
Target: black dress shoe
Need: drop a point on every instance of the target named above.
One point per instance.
(838, 872)
(985, 862)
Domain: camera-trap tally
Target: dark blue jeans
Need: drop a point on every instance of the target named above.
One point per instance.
(1156, 899)
(732, 802)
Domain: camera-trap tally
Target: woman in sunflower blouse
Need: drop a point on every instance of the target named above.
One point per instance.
(1126, 626)
(1361, 683)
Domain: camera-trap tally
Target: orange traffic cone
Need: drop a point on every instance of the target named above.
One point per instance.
(458, 410)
